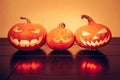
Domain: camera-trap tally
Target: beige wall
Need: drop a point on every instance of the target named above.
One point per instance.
(50, 13)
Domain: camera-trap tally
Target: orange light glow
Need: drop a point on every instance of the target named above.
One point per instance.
(91, 67)
(26, 67)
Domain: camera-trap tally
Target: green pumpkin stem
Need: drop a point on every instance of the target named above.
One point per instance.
(90, 20)
(61, 25)
(28, 21)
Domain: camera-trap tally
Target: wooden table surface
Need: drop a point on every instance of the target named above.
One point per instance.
(75, 63)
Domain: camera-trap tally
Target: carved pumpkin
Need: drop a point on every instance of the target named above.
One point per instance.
(60, 38)
(92, 35)
(27, 36)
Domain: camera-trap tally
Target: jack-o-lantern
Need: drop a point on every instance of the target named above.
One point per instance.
(27, 36)
(92, 35)
(60, 38)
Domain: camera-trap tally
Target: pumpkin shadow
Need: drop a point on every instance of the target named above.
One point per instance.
(58, 53)
(92, 63)
(28, 61)
(60, 62)
(29, 53)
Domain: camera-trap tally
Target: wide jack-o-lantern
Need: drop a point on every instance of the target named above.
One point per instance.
(92, 35)
(60, 38)
(27, 36)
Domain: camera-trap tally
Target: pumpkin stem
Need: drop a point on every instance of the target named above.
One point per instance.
(90, 20)
(62, 25)
(28, 21)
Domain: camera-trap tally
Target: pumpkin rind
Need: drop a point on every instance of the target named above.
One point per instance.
(60, 38)
(92, 35)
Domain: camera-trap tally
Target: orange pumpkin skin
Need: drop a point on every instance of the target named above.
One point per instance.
(60, 38)
(92, 35)
(27, 36)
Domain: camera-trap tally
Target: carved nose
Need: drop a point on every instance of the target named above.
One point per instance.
(95, 37)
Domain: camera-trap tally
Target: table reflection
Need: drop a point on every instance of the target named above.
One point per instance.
(60, 62)
(91, 63)
(28, 61)
(87, 63)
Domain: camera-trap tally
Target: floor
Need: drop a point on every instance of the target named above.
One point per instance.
(76, 63)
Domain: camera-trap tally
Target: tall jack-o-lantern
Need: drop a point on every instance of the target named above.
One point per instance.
(27, 36)
(92, 35)
(60, 38)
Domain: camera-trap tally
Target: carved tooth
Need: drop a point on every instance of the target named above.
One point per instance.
(16, 41)
(24, 43)
(12, 40)
(101, 42)
(108, 37)
(83, 41)
(33, 42)
(105, 40)
(27, 43)
(88, 43)
(92, 43)
(40, 39)
(96, 43)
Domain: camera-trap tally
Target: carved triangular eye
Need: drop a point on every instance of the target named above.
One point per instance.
(85, 33)
(102, 31)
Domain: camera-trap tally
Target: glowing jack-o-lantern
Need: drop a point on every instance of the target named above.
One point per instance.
(92, 35)
(60, 38)
(27, 36)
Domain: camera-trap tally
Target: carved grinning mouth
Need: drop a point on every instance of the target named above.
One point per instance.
(26, 43)
(61, 39)
(95, 43)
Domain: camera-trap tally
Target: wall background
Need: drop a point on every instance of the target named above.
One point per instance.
(50, 13)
